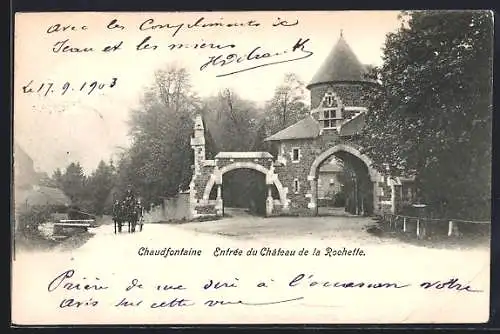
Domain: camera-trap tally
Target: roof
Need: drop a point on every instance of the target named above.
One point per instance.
(353, 126)
(24, 170)
(20, 154)
(340, 65)
(41, 195)
(305, 128)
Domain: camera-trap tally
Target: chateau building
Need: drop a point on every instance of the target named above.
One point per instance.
(331, 130)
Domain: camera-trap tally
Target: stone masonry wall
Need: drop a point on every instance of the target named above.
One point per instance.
(265, 162)
(290, 171)
(310, 149)
(198, 184)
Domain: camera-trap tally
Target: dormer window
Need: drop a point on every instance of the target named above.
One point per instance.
(331, 116)
(330, 101)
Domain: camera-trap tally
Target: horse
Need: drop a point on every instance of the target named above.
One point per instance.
(118, 216)
(130, 211)
(131, 215)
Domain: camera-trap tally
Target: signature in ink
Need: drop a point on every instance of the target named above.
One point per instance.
(297, 52)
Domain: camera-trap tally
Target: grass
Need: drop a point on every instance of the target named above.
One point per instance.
(34, 243)
(445, 242)
(39, 243)
(437, 240)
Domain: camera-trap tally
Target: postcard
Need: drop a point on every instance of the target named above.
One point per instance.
(265, 167)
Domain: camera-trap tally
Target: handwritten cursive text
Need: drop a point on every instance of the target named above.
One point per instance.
(257, 54)
(51, 88)
(73, 285)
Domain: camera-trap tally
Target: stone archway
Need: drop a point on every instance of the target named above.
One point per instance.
(271, 179)
(374, 175)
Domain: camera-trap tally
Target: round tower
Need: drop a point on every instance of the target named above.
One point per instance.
(343, 74)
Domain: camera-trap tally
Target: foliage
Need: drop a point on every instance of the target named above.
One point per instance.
(72, 182)
(287, 106)
(211, 148)
(31, 218)
(158, 163)
(88, 193)
(231, 121)
(431, 114)
(339, 199)
(99, 186)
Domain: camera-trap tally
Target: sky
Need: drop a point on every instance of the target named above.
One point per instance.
(56, 129)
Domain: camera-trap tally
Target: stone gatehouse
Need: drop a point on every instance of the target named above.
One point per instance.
(331, 129)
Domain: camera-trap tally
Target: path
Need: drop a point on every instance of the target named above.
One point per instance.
(118, 259)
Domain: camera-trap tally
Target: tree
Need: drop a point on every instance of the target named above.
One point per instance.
(158, 163)
(73, 182)
(99, 186)
(230, 120)
(57, 177)
(431, 114)
(288, 105)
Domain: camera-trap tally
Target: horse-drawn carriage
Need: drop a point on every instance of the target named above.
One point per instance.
(128, 211)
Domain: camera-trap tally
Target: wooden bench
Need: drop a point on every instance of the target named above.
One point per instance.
(91, 222)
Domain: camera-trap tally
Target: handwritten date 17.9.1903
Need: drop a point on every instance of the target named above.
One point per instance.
(51, 88)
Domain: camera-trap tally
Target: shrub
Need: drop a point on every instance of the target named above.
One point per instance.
(31, 218)
(339, 199)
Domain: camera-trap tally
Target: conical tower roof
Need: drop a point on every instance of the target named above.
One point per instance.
(340, 65)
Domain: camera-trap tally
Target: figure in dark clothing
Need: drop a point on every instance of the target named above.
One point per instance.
(117, 216)
(127, 210)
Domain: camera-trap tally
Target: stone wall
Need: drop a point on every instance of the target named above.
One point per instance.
(198, 205)
(175, 208)
(304, 200)
(264, 162)
(290, 171)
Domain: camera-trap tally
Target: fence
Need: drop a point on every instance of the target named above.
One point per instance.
(422, 224)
